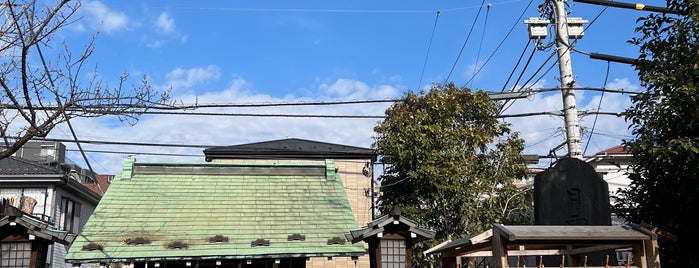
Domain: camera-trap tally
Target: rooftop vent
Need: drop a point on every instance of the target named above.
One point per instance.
(336, 241)
(218, 239)
(177, 245)
(137, 241)
(259, 242)
(296, 237)
(92, 246)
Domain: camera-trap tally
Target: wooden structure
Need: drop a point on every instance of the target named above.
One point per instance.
(572, 243)
(390, 239)
(24, 239)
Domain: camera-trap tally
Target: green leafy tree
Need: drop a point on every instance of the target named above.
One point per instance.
(450, 164)
(664, 189)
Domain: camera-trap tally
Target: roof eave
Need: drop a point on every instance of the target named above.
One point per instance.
(219, 257)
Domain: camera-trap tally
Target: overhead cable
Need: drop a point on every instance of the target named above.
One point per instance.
(468, 36)
(503, 41)
(429, 46)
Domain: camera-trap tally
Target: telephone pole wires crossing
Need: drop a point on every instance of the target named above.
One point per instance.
(570, 110)
(565, 28)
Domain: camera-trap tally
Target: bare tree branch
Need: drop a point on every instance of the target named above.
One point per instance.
(29, 82)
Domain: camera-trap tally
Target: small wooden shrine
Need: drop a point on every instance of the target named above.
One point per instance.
(390, 239)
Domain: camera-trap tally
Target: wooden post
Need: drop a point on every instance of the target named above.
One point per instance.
(499, 250)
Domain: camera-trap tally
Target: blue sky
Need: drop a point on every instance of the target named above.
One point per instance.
(305, 51)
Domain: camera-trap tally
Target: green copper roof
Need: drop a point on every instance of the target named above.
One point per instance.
(219, 211)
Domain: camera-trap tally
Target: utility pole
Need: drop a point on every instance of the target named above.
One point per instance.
(566, 28)
(570, 110)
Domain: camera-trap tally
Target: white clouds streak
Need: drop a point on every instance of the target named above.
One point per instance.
(234, 127)
(353, 89)
(187, 78)
(599, 132)
(110, 21)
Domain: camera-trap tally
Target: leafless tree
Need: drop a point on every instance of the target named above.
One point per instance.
(38, 93)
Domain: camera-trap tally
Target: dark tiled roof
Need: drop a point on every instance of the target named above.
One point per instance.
(185, 211)
(17, 166)
(389, 222)
(288, 148)
(38, 227)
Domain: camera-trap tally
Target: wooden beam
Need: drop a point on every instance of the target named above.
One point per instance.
(499, 250)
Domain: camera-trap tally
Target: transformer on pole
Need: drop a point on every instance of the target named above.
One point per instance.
(566, 28)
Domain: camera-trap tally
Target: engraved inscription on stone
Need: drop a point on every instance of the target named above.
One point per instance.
(571, 193)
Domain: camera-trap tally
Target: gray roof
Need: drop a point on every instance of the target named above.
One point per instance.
(13, 165)
(289, 148)
(34, 226)
(390, 222)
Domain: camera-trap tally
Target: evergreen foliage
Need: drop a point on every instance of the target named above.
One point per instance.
(665, 123)
(450, 164)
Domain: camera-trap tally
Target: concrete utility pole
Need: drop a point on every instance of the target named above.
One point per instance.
(567, 81)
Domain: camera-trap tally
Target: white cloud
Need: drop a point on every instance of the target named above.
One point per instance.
(220, 130)
(352, 89)
(165, 23)
(187, 78)
(234, 125)
(543, 133)
(109, 20)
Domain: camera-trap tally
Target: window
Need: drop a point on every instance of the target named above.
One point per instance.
(15, 255)
(393, 253)
(70, 215)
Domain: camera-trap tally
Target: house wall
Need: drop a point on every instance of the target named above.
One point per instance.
(39, 193)
(49, 205)
(614, 172)
(358, 189)
(57, 252)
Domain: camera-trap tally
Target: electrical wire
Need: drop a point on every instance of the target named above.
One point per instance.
(429, 46)
(233, 9)
(509, 103)
(58, 101)
(480, 44)
(519, 60)
(468, 36)
(599, 106)
(503, 41)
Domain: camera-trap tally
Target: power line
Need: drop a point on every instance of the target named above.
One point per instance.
(519, 60)
(428, 50)
(468, 36)
(503, 41)
(196, 106)
(599, 106)
(137, 153)
(296, 10)
(100, 142)
(480, 44)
